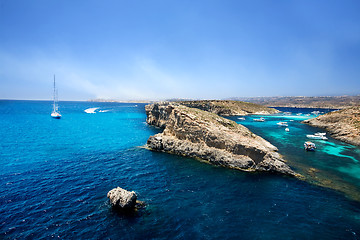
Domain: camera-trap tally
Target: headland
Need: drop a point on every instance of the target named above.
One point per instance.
(204, 135)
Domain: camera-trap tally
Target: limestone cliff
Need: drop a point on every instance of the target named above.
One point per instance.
(195, 133)
(343, 125)
(229, 108)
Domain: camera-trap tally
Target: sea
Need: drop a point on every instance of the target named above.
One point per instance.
(55, 175)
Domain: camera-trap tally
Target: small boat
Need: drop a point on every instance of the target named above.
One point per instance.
(309, 146)
(259, 119)
(55, 113)
(284, 124)
(319, 137)
(320, 134)
(241, 118)
(287, 129)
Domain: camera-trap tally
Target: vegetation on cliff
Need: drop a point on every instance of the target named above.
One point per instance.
(343, 125)
(229, 108)
(199, 134)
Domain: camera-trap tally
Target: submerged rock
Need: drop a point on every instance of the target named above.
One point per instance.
(121, 198)
(199, 134)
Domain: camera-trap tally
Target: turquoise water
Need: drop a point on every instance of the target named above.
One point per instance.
(55, 175)
(336, 163)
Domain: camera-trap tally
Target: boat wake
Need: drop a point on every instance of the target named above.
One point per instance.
(91, 110)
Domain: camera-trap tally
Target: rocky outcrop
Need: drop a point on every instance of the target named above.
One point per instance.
(343, 125)
(122, 199)
(199, 134)
(229, 108)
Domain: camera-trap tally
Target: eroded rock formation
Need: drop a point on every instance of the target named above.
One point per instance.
(196, 133)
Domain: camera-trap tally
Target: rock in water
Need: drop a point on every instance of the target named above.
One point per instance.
(122, 198)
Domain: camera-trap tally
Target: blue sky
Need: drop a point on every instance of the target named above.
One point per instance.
(153, 50)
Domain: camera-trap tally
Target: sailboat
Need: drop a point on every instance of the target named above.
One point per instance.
(55, 113)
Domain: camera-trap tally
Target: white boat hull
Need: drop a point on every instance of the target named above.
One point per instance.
(318, 137)
(56, 115)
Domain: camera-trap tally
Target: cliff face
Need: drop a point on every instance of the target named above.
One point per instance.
(229, 108)
(343, 125)
(195, 133)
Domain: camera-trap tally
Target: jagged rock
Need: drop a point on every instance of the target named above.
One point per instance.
(343, 125)
(121, 198)
(196, 133)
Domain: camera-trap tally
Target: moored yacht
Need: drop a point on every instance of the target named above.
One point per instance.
(55, 113)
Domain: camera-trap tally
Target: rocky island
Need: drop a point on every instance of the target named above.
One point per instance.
(343, 125)
(195, 133)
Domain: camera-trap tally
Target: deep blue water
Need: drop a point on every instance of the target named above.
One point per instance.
(55, 175)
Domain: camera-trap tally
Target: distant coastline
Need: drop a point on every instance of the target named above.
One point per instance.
(119, 101)
(326, 102)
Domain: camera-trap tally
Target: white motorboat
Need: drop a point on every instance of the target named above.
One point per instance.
(259, 119)
(287, 129)
(284, 124)
(241, 118)
(318, 137)
(309, 146)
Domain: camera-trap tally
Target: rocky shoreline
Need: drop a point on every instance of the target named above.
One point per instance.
(343, 125)
(204, 135)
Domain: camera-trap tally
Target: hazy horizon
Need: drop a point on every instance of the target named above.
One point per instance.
(156, 50)
(239, 98)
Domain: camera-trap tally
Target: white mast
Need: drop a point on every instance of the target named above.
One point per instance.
(54, 110)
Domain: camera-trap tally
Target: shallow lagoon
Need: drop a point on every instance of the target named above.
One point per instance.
(334, 164)
(55, 174)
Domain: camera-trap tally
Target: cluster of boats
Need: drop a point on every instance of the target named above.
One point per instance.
(309, 146)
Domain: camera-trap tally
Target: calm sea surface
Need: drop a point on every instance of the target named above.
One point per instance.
(55, 174)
